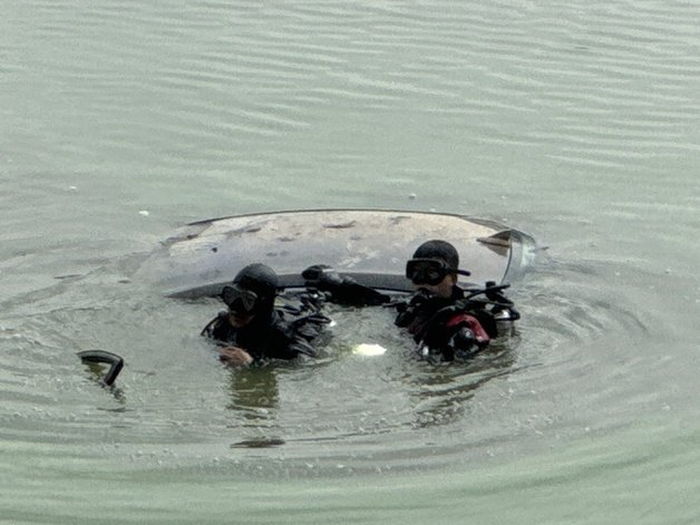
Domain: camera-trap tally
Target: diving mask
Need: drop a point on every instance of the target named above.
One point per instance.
(239, 299)
(429, 271)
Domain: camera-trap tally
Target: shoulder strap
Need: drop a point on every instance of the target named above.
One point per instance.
(208, 329)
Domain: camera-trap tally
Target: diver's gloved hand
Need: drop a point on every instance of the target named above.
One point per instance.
(342, 288)
(505, 308)
(323, 277)
(495, 293)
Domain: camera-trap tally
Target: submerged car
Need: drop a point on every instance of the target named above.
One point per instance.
(371, 246)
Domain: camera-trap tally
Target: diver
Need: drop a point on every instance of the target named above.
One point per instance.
(445, 321)
(253, 331)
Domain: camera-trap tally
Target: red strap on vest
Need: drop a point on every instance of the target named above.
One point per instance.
(473, 324)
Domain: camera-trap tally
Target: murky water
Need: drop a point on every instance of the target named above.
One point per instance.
(576, 122)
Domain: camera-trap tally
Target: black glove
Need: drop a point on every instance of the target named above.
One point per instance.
(342, 289)
(322, 276)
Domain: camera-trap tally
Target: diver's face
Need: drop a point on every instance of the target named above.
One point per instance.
(241, 304)
(441, 289)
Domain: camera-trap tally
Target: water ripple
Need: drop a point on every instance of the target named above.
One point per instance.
(503, 105)
(173, 392)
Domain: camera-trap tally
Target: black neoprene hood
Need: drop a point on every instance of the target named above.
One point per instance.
(438, 249)
(258, 278)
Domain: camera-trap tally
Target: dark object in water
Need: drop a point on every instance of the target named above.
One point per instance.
(115, 363)
(369, 246)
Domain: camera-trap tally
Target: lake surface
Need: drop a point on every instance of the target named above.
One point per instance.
(576, 122)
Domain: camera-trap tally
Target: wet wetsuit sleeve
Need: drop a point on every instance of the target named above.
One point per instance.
(343, 289)
(276, 340)
(282, 345)
(290, 340)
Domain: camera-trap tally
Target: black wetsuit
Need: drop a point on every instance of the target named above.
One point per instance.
(442, 327)
(419, 312)
(269, 336)
(458, 326)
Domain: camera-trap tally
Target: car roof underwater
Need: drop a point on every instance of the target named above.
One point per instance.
(371, 246)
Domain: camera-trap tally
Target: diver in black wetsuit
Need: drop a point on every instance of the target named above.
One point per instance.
(253, 330)
(445, 321)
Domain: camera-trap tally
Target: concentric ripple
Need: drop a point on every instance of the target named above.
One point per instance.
(175, 402)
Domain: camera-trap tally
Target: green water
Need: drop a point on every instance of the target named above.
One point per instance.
(576, 122)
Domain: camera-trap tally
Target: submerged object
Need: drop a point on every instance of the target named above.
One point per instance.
(371, 246)
(99, 357)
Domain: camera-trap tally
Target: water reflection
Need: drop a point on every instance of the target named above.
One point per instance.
(254, 394)
(259, 443)
(441, 395)
(96, 373)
